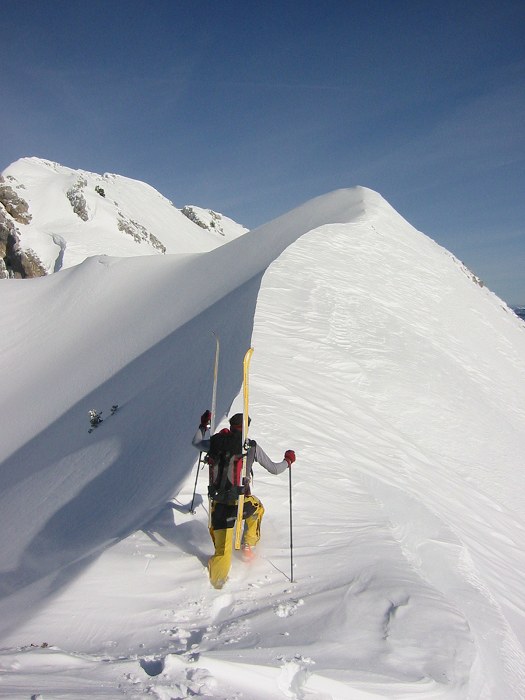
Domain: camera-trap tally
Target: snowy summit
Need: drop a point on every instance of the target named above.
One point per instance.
(64, 216)
(394, 374)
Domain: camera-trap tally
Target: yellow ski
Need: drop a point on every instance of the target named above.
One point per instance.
(245, 421)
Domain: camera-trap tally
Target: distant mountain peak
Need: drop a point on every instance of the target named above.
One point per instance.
(59, 216)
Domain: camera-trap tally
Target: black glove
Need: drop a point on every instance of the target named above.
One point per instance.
(205, 420)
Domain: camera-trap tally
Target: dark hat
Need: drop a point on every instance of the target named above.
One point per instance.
(236, 420)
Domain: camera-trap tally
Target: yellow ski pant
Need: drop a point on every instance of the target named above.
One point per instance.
(223, 518)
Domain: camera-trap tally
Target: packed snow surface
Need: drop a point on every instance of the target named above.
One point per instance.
(400, 383)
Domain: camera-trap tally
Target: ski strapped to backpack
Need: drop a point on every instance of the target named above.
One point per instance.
(215, 381)
(244, 443)
(202, 456)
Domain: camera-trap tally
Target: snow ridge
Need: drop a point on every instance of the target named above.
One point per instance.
(394, 375)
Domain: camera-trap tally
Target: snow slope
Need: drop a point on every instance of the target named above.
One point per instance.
(398, 380)
(71, 221)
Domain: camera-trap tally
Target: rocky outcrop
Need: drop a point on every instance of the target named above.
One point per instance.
(77, 200)
(139, 232)
(192, 215)
(213, 223)
(14, 262)
(14, 205)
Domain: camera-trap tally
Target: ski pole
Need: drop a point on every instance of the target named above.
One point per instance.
(245, 423)
(291, 528)
(196, 479)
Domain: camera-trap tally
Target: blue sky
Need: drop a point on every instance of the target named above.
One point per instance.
(251, 108)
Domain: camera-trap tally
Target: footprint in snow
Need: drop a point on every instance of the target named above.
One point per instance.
(288, 608)
(221, 602)
(293, 676)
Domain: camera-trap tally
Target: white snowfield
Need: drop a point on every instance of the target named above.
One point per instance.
(400, 383)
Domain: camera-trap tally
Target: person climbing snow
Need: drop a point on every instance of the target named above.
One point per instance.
(224, 458)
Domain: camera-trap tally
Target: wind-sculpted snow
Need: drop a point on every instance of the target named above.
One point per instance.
(416, 383)
(399, 382)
